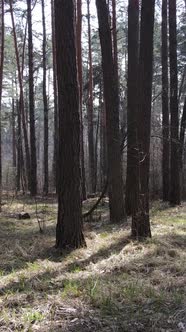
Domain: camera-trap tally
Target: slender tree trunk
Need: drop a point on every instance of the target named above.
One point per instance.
(13, 135)
(1, 83)
(182, 134)
(132, 178)
(116, 197)
(69, 224)
(80, 79)
(141, 226)
(33, 160)
(21, 100)
(55, 154)
(90, 109)
(45, 104)
(165, 104)
(175, 162)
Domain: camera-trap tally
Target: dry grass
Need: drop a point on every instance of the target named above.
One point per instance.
(115, 284)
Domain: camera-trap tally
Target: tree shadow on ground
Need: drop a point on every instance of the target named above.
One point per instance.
(138, 307)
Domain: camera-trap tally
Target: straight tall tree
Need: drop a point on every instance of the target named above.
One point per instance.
(80, 80)
(90, 109)
(111, 99)
(33, 161)
(132, 178)
(45, 104)
(165, 102)
(55, 153)
(141, 228)
(174, 130)
(1, 82)
(69, 232)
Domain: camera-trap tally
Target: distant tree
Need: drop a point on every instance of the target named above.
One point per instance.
(175, 160)
(165, 103)
(80, 80)
(69, 232)
(33, 161)
(90, 108)
(20, 108)
(55, 152)
(111, 98)
(45, 103)
(1, 81)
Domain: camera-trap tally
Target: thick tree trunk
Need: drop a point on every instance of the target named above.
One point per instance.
(33, 161)
(80, 79)
(141, 224)
(116, 197)
(69, 232)
(165, 104)
(132, 178)
(45, 104)
(175, 162)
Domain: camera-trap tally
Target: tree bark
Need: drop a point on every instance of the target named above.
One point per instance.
(141, 223)
(69, 232)
(116, 197)
(165, 104)
(132, 178)
(174, 160)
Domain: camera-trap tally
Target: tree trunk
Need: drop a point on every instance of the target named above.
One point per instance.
(13, 135)
(175, 162)
(69, 232)
(45, 104)
(165, 104)
(90, 109)
(141, 224)
(1, 83)
(55, 154)
(33, 161)
(80, 80)
(21, 98)
(116, 197)
(132, 178)
(182, 134)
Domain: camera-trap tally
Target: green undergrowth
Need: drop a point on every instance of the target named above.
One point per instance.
(115, 284)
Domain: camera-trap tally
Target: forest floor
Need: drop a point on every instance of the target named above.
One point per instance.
(115, 284)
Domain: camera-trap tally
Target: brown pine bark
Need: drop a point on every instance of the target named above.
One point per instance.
(33, 160)
(132, 178)
(116, 198)
(45, 104)
(174, 132)
(165, 104)
(69, 232)
(141, 223)
(80, 80)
